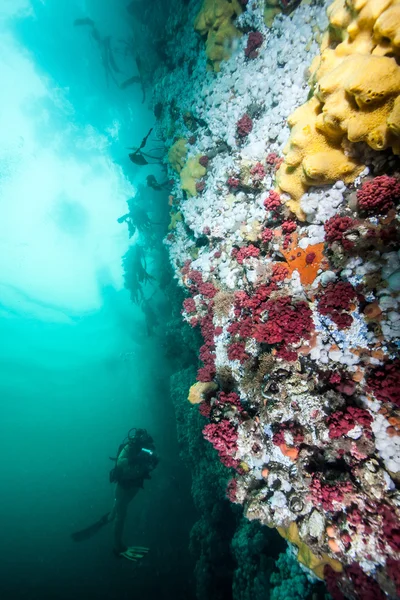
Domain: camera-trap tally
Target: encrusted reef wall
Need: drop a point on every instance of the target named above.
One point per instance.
(283, 146)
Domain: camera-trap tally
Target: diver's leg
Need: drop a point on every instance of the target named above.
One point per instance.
(113, 512)
(122, 500)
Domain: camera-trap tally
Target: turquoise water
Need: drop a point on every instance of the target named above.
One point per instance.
(77, 368)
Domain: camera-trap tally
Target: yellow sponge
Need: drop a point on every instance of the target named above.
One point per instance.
(192, 171)
(215, 21)
(305, 555)
(356, 85)
(177, 155)
(393, 120)
(387, 32)
(200, 390)
(358, 98)
(312, 158)
(176, 217)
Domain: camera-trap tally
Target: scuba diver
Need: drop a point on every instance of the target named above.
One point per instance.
(136, 79)
(150, 316)
(106, 53)
(111, 69)
(155, 185)
(135, 460)
(136, 275)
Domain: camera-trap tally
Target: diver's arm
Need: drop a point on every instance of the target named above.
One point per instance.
(123, 460)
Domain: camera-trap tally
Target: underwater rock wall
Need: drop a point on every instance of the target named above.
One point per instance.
(235, 557)
(211, 534)
(284, 233)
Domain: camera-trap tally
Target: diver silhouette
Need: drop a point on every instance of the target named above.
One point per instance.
(135, 460)
(104, 43)
(111, 69)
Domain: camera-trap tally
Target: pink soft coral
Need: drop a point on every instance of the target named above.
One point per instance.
(247, 252)
(223, 437)
(379, 195)
(273, 201)
(244, 125)
(385, 382)
(335, 300)
(254, 41)
(341, 422)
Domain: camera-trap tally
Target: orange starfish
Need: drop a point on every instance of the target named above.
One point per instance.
(307, 262)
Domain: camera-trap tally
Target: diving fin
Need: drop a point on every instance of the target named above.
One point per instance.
(88, 532)
(130, 81)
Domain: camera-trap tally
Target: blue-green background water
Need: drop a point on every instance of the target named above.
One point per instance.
(77, 369)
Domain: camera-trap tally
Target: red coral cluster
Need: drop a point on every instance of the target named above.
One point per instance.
(286, 242)
(273, 201)
(236, 351)
(255, 302)
(274, 160)
(279, 321)
(326, 494)
(267, 235)
(200, 186)
(332, 581)
(198, 286)
(254, 41)
(335, 378)
(355, 518)
(285, 354)
(231, 398)
(336, 227)
(195, 277)
(279, 272)
(257, 172)
(189, 305)
(223, 437)
(379, 195)
(231, 490)
(288, 322)
(207, 372)
(204, 160)
(385, 382)
(366, 587)
(271, 158)
(208, 290)
(294, 429)
(335, 301)
(207, 354)
(185, 270)
(390, 526)
(244, 125)
(288, 227)
(205, 409)
(243, 328)
(233, 182)
(247, 252)
(346, 387)
(341, 422)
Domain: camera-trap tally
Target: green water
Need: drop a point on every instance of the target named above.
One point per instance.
(77, 368)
